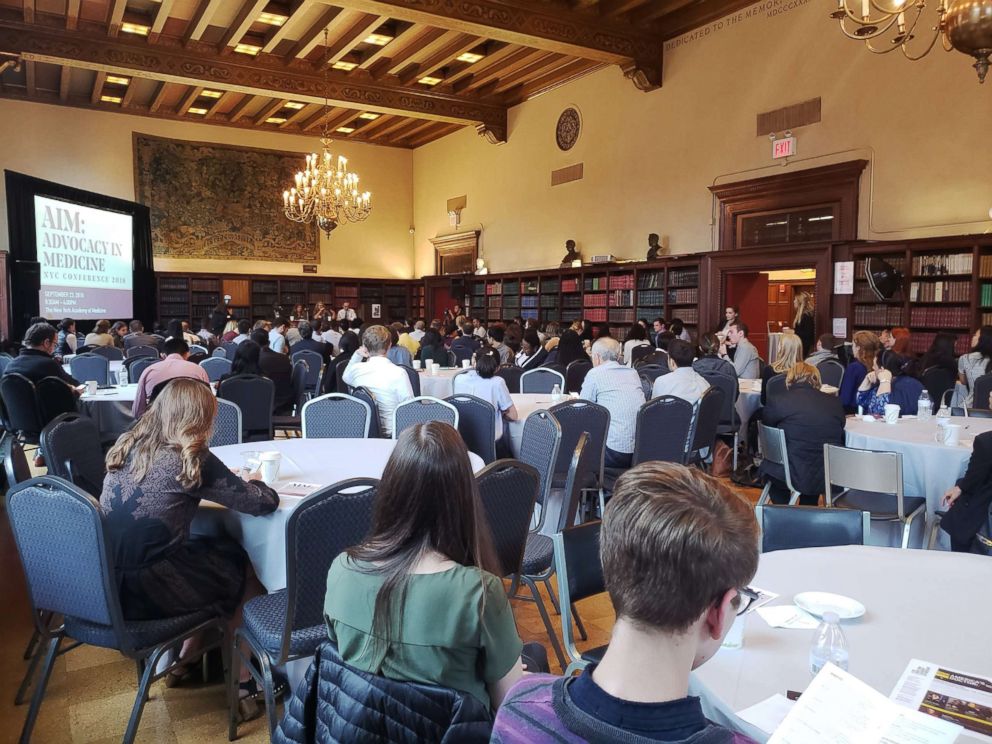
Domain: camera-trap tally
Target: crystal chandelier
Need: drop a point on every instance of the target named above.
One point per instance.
(325, 191)
(962, 25)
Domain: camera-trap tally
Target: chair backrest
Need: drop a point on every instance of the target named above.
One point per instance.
(638, 353)
(15, 462)
(110, 353)
(476, 424)
(365, 395)
(775, 386)
(664, 430)
(21, 404)
(322, 526)
(314, 364)
(582, 467)
(539, 446)
(339, 366)
(216, 367)
(977, 412)
(983, 387)
(220, 352)
(420, 410)
(141, 351)
(452, 359)
(511, 376)
(832, 373)
(230, 349)
(863, 470)
(300, 380)
(336, 416)
(937, 381)
(198, 349)
(508, 490)
(227, 424)
(55, 397)
(648, 374)
(85, 367)
(575, 375)
(708, 410)
(139, 365)
(541, 380)
(789, 527)
(655, 356)
(731, 391)
(414, 376)
(576, 417)
(254, 395)
(772, 445)
(71, 444)
(59, 532)
(580, 573)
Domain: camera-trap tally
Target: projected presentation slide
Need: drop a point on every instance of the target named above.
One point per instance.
(85, 257)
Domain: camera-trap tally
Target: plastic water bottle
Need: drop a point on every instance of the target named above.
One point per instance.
(122, 375)
(829, 645)
(924, 407)
(556, 393)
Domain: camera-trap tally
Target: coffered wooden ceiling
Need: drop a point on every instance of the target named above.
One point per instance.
(396, 72)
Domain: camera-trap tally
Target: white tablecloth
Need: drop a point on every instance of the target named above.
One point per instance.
(110, 410)
(323, 461)
(115, 366)
(921, 604)
(526, 404)
(439, 385)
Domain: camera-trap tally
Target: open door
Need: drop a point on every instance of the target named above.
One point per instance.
(749, 292)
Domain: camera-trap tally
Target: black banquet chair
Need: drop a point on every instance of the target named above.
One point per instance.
(227, 424)
(663, 430)
(254, 395)
(790, 527)
(86, 367)
(575, 375)
(216, 367)
(511, 376)
(69, 567)
(580, 576)
(71, 444)
(366, 396)
(110, 353)
(476, 424)
(420, 411)
(142, 351)
(20, 402)
(335, 416)
(315, 363)
(707, 421)
(832, 372)
(55, 397)
(775, 386)
(937, 381)
(730, 420)
(983, 388)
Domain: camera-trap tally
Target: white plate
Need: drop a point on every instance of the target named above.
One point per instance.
(816, 603)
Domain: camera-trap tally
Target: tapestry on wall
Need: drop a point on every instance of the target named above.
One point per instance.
(217, 201)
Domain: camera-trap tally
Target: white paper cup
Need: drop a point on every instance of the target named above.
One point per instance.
(466, 363)
(416, 364)
(269, 465)
(892, 413)
(91, 387)
(735, 636)
(434, 368)
(949, 434)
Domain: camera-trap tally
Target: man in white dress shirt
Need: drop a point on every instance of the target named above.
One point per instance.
(388, 383)
(683, 381)
(746, 355)
(346, 313)
(277, 336)
(417, 334)
(618, 390)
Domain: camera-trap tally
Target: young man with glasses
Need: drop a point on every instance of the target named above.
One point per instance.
(678, 549)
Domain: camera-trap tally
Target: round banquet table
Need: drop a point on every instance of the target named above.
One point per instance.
(925, 605)
(110, 409)
(439, 385)
(323, 461)
(748, 402)
(116, 365)
(526, 404)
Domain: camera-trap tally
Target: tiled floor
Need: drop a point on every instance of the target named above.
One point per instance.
(91, 691)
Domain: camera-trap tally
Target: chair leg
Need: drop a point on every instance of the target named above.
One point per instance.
(578, 624)
(514, 586)
(934, 527)
(548, 627)
(233, 675)
(765, 494)
(794, 498)
(31, 647)
(39, 689)
(551, 595)
(139, 701)
(737, 436)
(268, 692)
(39, 652)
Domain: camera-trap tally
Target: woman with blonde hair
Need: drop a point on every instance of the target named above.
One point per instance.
(810, 418)
(157, 473)
(866, 347)
(790, 351)
(803, 323)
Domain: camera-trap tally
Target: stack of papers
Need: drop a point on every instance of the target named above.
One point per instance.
(297, 488)
(788, 616)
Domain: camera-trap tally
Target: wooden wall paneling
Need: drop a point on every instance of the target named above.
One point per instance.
(238, 289)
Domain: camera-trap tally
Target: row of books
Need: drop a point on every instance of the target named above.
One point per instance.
(621, 297)
(986, 296)
(683, 278)
(682, 296)
(652, 280)
(622, 315)
(594, 300)
(688, 315)
(940, 317)
(494, 289)
(985, 266)
(172, 296)
(863, 293)
(528, 301)
(622, 281)
(550, 285)
(651, 297)
(173, 282)
(204, 285)
(940, 291)
(596, 315)
(919, 343)
(875, 316)
(957, 263)
(986, 318)
(569, 285)
(594, 283)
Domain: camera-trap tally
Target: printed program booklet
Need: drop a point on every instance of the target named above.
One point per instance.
(948, 694)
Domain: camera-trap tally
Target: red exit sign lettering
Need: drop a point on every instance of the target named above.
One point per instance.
(784, 148)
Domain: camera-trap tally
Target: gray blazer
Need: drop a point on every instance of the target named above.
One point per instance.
(746, 361)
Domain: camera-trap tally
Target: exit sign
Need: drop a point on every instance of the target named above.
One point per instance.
(784, 148)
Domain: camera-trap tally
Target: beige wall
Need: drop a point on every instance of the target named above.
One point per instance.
(93, 150)
(649, 158)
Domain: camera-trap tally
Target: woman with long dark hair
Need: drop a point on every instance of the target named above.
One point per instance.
(940, 354)
(432, 349)
(440, 614)
(890, 382)
(570, 349)
(245, 360)
(978, 362)
(866, 347)
(636, 336)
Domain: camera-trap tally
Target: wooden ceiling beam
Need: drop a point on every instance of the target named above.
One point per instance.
(308, 41)
(72, 14)
(158, 22)
(438, 132)
(485, 63)
(377, 124)
(403, 41)
(201, 20)
(188, 100)
(29, 11)
(546, 26)
(335, 118)
(355, 35)
(158, 99)
(101, 78)
(280, 33)
(414, 129)
(127, 100)
(551, 80)
(536, 68)
(520, 58)
(239, 108)
(65, 80)
(694, 16)
(116, 17)
(269, 110)
(390, 129)
(428, 46)
(267, 77)
(444, 57)
(215, 109)
(298, 116)
(249, 12)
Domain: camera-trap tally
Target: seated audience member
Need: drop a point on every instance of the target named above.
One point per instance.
(790, 352)
(36, 361)
(824, 350)
(483, 382)
(419, 329)
(678, 329)
(969, 499)
(467, 344)
(677, 549)
(618, 389)
(683, 381)
(900, 341)
(601, 330)
(977, 362)
(658, 325)
(662, 340)
(245, 360)
(330, 333)
(569, 349)
(496, 336)
(532, 354)
(866, 346)
(66, 341)
(398, 354)
(244, 331)
(810, 419)
(293, 336)
(940, 355)
(308, 343)
(432, 349)
(219, 318)
(138, 337)
(478, 328)
(277, 336)
(191, 338)
(100, 335)
(552, 335)
(745, 356)
(174, 365)
(405, 340)
(157, 473)
(428, 552)
(230, 331)
(370, 368)
(710, 361)
(889, 384)
(636, 336)
(119, 330)
(277, 367)
(513, 337)
(207, 338)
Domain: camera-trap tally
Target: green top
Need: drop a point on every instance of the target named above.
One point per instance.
(443, 634)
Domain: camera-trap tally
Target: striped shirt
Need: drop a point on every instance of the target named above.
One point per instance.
(618, 389)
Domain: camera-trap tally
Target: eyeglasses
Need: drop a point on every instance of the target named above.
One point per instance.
(747, 596)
